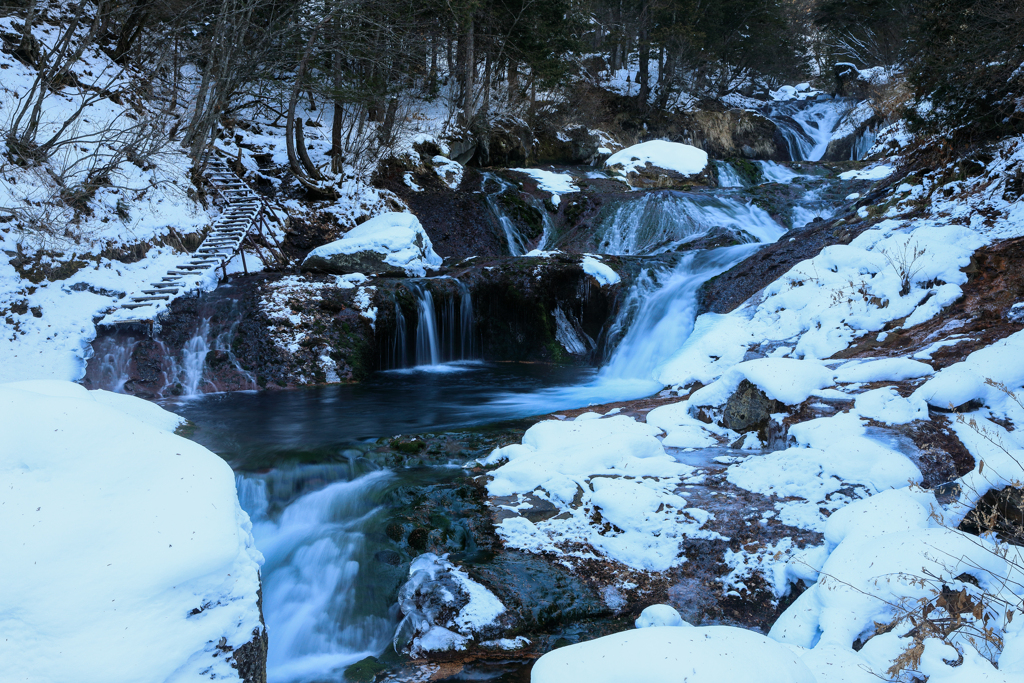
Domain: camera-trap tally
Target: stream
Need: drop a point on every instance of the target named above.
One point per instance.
(305, 464)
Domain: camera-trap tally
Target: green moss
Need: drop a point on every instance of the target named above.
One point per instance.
(365, 670)
(747, 170)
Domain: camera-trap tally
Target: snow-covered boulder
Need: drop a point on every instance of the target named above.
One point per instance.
(445, 609)
(126, 556)
(659, 163)
(392, 244)
(713, 654)
(660, 615)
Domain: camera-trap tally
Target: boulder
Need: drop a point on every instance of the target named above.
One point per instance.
(749, 409)
(391, 244)
(662, 164)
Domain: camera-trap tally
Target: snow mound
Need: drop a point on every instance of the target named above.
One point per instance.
(126, 554)
(966, 381)
(892, 369)
(602, 273)
(549, 181)
(671, 156)
(660, 615)
(787, 380)
(711, 654)
(398, 237)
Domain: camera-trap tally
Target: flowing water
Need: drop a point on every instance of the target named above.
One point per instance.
(328, 597)
(808, 126)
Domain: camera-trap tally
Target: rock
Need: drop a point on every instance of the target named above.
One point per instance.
(1001, 511)
(506, 142)
(390, 244)
(540, 593)
(749, 409)
(1016, 314)
(662, 164)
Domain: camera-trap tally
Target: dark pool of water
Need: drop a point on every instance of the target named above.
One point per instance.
(243, 426)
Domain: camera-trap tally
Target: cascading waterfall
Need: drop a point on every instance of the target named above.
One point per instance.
(467, 326)
(808, 126)
(189, 372)
(659, 222)
(399, 349)
(323, 612)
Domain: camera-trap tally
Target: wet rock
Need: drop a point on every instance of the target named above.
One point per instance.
(542, 594)
(1016, 314)
(749, 409)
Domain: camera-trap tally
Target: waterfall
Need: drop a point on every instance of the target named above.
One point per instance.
(427, 350)
(399, 349)
(518, 243)
(658, 222)
(444, 332)
(189, 372)
(660, 310)
(323, 599)
(808, 126)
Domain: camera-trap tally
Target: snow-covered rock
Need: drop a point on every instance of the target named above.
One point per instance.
(660, 615)
(391, 244)
(639, 160)
(445, 609)
(712, 654)
(126, 554)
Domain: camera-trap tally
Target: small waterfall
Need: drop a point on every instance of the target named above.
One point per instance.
(444, 329)
(427, 349)
(659, 312)
(727, 175)
(863, 144)
(659, 222)
(189, 372)
(773, 172)
(467, 326)
(518, 243)
(399, 349)
(114, 355)
(324, 595)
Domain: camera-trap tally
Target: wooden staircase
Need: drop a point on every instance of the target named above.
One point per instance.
(244, 211)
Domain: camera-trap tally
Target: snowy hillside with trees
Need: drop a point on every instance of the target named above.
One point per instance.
(473, 340)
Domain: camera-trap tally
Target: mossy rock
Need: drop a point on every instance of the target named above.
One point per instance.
(365, 670)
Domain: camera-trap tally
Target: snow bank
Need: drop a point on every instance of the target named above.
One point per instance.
(398, 237)
(962, 382)
(884, 369)
(712, 654)
(126, 554)
(671, 156)
(660, 615)
(602, 273)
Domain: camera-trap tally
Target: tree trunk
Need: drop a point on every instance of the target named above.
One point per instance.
(487, 86)
(469, 103)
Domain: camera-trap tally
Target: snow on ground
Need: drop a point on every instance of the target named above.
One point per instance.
(399, 237)
(611, 465)
(669, 654)
(671, 156)
(126, 554)
(549, 181)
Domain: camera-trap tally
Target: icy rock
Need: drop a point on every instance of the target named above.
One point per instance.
(1016, 314)
(712, 654)
(660, 615)
(391, 244)
(445, 609)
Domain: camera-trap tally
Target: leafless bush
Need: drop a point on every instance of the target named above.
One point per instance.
(905, 261)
